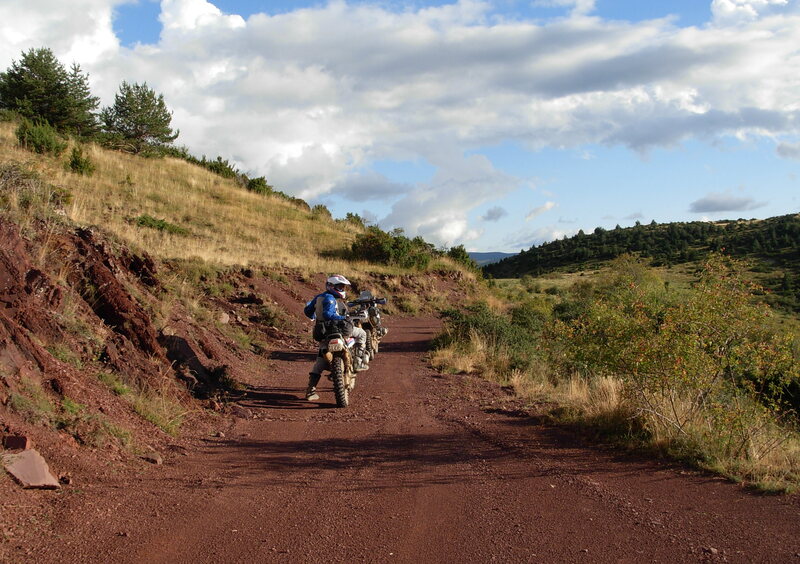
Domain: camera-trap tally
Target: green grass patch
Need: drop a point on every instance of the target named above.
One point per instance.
(151, 222)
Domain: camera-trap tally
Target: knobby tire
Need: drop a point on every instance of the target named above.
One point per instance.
(339, 388)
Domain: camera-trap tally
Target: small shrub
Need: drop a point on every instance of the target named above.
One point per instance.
(355, 219)
(8, 115)
(259, 186)
(160, 410)
(270, 315)
(32, 403)
(160, 225)
(91, 429)
(114, 383)
(80, 163)
(65, 355)
(40, 137)
(320, 212)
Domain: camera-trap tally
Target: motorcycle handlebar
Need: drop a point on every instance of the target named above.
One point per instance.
(374, 301)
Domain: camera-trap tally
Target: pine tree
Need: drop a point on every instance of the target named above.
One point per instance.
(138, 120)
(37, 87)
(83, 119)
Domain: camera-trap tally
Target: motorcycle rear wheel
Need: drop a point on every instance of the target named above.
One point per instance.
(339, 387)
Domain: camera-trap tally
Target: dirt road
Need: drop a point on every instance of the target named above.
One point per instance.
(421, 468)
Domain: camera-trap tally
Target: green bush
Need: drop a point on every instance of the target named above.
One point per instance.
(80, 163)
(704, 371)
(378, 246)
(321, 212)
(38, 136)
(160, 225)
(517, 339)
(460, 255)
(259, 185)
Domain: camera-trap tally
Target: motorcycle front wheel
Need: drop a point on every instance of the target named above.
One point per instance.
(339, 387)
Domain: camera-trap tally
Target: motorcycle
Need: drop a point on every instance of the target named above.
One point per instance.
(367, 315)
(338, 351)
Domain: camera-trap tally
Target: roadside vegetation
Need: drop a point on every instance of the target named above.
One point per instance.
(705, 372)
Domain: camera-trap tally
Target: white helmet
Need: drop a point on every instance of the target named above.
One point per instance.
(336, 285)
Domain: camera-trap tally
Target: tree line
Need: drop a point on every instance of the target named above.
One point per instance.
(39, 88)
(52, 101)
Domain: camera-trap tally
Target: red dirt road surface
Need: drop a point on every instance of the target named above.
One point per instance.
(421, 468)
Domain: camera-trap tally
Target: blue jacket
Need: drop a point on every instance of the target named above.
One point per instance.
(329, 307)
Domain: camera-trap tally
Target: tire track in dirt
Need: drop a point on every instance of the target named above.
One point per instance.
(421, 468)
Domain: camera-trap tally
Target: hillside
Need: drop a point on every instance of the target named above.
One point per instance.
(771, 245)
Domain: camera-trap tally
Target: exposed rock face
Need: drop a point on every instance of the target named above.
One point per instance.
(107, 296)
(24, 290)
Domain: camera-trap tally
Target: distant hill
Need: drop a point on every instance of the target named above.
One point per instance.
(773, 245)
(483, 259)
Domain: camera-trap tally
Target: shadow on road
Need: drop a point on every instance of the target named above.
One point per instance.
(293, 356)
(276, 398)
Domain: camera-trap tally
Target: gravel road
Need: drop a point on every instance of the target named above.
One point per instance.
(422, 468)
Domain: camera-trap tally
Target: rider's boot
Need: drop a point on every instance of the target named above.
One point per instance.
(311, 391)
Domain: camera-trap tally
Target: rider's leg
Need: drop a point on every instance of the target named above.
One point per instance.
(362, 358)
(313, 378)
(311, 391)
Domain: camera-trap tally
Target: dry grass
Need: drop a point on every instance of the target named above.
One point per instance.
(227, 224)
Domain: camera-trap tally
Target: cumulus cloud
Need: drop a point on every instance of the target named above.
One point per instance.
(537, 211)
(79, 30)
(738, 10)
(723, 202)
(311, 98)
(437, 210)
(494, 214)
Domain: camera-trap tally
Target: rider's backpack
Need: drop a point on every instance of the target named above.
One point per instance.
(321, 330)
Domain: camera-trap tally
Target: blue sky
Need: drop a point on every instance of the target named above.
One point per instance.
(494, 124)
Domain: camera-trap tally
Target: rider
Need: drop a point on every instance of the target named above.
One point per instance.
(330, 306)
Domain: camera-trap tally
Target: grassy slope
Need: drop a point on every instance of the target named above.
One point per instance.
(227, 225)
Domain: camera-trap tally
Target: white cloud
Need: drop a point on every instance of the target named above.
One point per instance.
(536, 212)
(437, 210)
(739, 10)
(189, 15)
(579, 7)
(524, 240)
(79, 30)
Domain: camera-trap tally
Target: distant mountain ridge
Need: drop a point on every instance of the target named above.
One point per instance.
(482, 259)
(772, 245)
